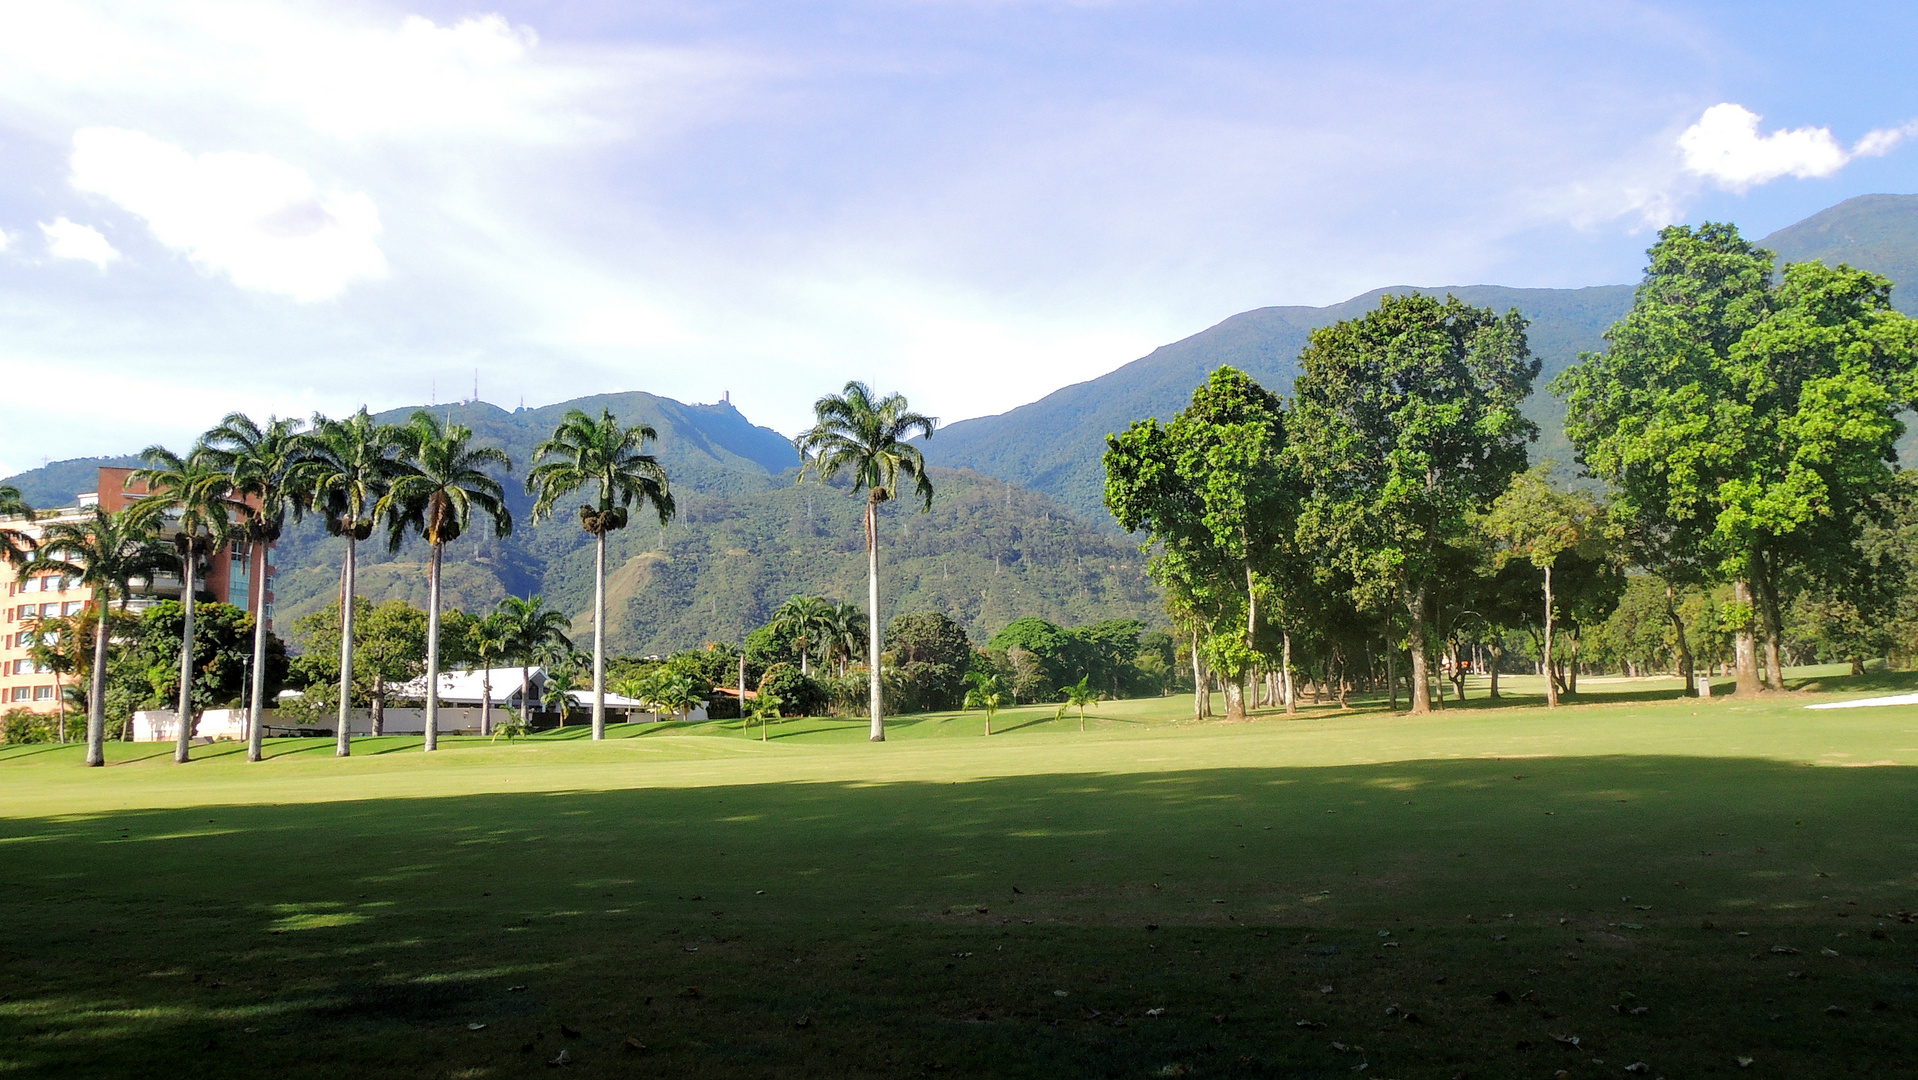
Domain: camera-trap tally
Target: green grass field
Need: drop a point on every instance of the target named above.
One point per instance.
(1490, 892)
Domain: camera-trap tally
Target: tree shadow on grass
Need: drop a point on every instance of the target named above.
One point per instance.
(365, 937)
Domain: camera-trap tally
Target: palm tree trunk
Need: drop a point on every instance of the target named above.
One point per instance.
(432, 724)
(525, 688)
(185, 716)
(486, 702)
(599, 637)
(344, 746)
(256, 699)
(97, 699)
(872, 622)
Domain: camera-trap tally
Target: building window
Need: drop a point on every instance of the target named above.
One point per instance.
(73, 607)
(22, 693)
(49, 611)
(43, 693)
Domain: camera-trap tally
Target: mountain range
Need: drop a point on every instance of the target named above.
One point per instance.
(1054, 445)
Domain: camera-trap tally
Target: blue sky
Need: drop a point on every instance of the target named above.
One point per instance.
(284, 207)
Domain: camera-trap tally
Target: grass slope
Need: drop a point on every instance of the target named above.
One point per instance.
(1299, 897)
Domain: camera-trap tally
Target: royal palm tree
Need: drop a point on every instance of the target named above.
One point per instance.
(105, 553)
(53, 650)
(563, 665)
(534, 632)
(263, 463)
(488, 640)
(866, 439)
(435, 496)
(190, 502)
(807, 620)
(347, 467)
(584, 451)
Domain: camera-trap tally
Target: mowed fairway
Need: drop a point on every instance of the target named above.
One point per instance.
(1488, 892)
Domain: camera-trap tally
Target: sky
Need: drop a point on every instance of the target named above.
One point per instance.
(284, 208)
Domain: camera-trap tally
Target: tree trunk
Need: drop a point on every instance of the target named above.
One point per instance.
(1766, 582)
(1571, 664)
(1234, 699)
(1498, 653)
(486, 701)
(97, 698)
(344, 745)
(430, 726)
(185, 717)
(805, 657)
(1421, 688)
(876, 700)
(1685, 667)
(256, 704)
(1285, 678)
(525, 689)
(1744, 647)
(599, 636)
(1391, 671)
(1201, 685)
(1551, 678)
(377, 703)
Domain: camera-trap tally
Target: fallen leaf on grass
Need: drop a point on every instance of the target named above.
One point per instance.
(1828, 952)
(1833, 1010)
(473, 1027)
(1784, 950)
(515, 989)
(1744, 1062)
(1155, 1012)
(1566, 1040)
(1638, 1067)
(1058, 993)
(633, 1045)
(564, 1058)
(1309, 1025)
(803, 1022)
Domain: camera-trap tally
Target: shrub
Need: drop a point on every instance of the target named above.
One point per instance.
(19, 726)
(798, 694)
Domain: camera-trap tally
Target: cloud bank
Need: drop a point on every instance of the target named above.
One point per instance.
(1726, 146)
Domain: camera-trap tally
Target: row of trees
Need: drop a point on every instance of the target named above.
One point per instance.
(1741, 424)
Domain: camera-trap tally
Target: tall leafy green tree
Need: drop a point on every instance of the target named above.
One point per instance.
(348, 466)
(1744, 421)
(444, 481)
(1219, 487)
(534, 631)
(865, 439)
(845, 634)
(1408, 424)
(261, 461)
(106, 553)
(601, 454)
(191, 501)
(1537, 523)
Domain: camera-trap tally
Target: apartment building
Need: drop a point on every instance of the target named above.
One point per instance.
(228, 578)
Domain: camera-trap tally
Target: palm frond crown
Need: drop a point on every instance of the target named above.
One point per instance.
(443, 479)
(584, 451)
(866, 440)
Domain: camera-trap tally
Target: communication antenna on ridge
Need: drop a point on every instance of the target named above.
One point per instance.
(475, 386)
(433, 394)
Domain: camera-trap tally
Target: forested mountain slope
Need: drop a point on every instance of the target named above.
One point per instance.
(1054, 445)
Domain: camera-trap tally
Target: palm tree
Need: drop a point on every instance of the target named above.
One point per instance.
(987, 694)
(444, 482)
(586, 451)
(262, 462)
(808, 619)
(190, 500)
(563, 665)
(345, 472)
(491, 638)
(845, 631)
(867, 439)
(16, 546)
(765, 708)
(1080, 694)
(106, 554)
(53, 650)
(533, 631)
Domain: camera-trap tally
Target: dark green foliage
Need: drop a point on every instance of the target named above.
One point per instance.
(389, 646)
(222, 653)
(929, 655)
(798, 694)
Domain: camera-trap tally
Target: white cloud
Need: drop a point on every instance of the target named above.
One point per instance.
(1726, 146)
(70, 240)
(258, 220)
